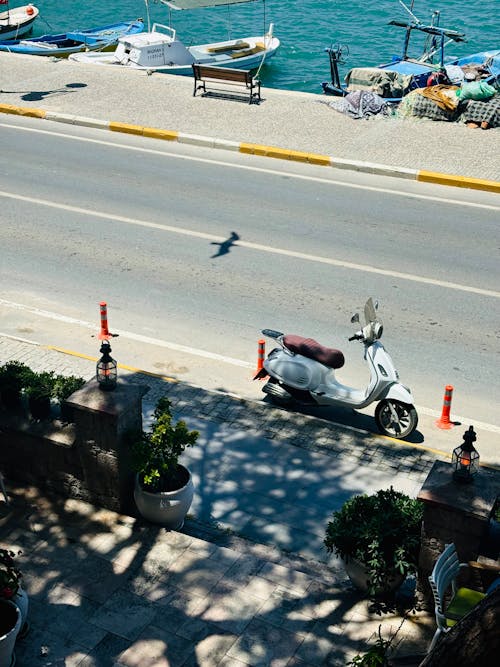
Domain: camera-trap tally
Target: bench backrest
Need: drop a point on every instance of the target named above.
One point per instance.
(222, 73)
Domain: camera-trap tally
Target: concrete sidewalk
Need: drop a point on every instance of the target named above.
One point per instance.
(288, 121)
(271, 475)
(247, 582)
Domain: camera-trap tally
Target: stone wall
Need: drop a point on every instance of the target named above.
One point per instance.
(87, 459)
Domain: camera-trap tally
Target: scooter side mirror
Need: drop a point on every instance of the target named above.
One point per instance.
(355, 318)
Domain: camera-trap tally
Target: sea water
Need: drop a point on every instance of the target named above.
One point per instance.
(304, 27)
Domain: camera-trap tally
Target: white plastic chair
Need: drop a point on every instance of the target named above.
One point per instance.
(2, 487)
(442, 579)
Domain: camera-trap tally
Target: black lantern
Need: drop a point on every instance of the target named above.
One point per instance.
(106, 368)
(465, 458)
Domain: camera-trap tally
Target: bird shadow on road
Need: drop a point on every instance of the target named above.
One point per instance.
(225, 246)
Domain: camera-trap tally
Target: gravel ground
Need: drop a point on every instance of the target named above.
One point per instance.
(285, 119)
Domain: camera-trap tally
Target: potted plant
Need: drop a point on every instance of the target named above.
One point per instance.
(11, 586)
(64, 386)
(10, 624)
(39, 391)
(14, 375)
(378, 537)
(163, 487)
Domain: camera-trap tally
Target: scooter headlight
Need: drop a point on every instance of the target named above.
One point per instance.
(378, 329)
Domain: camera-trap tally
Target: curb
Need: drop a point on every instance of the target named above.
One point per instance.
(262, 150)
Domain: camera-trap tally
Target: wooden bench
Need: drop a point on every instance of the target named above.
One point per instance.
(204, 74)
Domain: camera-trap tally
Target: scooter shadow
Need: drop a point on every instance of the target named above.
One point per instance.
(344, 417)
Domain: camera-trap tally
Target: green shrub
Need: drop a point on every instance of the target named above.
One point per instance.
(382, 531)
(14, 376)
(65, 385)
(155, 454)
(40, 385)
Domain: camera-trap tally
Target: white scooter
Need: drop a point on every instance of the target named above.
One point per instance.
(303, 370)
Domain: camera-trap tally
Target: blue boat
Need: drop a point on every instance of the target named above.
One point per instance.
(394, 79)
(72, 42)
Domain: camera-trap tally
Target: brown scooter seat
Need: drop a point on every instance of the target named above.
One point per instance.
(307, 347)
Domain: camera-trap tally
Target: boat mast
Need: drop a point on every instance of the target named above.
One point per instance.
(409, 29)
(146, 2)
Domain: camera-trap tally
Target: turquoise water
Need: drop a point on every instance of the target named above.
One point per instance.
(305, 28)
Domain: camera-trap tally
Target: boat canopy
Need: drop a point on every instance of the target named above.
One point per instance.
(197, 4)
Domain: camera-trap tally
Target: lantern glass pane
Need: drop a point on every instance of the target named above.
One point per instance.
(465, 462)
(107, 373)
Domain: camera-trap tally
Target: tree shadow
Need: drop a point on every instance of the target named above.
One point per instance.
(244, 581)
(37, 95)
(108, 590)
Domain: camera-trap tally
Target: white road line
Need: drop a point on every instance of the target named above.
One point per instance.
(255, 246)
(262, 170)
(464, 420)
(127, 334)
(195, 352)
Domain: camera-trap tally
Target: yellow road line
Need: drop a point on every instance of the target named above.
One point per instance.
(131, 369)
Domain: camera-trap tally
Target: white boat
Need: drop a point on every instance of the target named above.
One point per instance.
(17, 21)
(160, 50)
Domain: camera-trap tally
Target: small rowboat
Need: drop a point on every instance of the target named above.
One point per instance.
(72, 42)
(15, 23)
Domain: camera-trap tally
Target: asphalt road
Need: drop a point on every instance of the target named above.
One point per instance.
(195, 253)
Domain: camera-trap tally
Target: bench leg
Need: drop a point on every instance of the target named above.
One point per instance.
(199, 85)
(254, 95)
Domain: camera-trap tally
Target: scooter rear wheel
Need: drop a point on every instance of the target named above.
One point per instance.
(396, 419)
(277, 394)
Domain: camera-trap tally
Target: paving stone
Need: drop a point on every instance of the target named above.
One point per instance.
(212, 652)
(45, 648)
(156, 647)
(105, 654)
(289, 579)
(124, 614)
(233, 610)
(264, 645)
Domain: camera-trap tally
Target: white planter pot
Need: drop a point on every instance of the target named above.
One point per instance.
(356, 572)
(10, 624)
(21, 601)
(167, 508)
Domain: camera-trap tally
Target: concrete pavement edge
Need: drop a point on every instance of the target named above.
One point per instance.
(345, 428)
(262, 150)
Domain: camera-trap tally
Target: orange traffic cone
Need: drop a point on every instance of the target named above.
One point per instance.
(104, 332)
(261, 354)
(444, 420)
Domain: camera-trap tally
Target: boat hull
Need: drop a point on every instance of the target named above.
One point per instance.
(220, 54)
(64, 44)
(17, 22)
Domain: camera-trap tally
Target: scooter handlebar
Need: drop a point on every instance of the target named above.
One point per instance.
(355, 337)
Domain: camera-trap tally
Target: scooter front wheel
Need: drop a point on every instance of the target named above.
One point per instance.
(396, 419)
